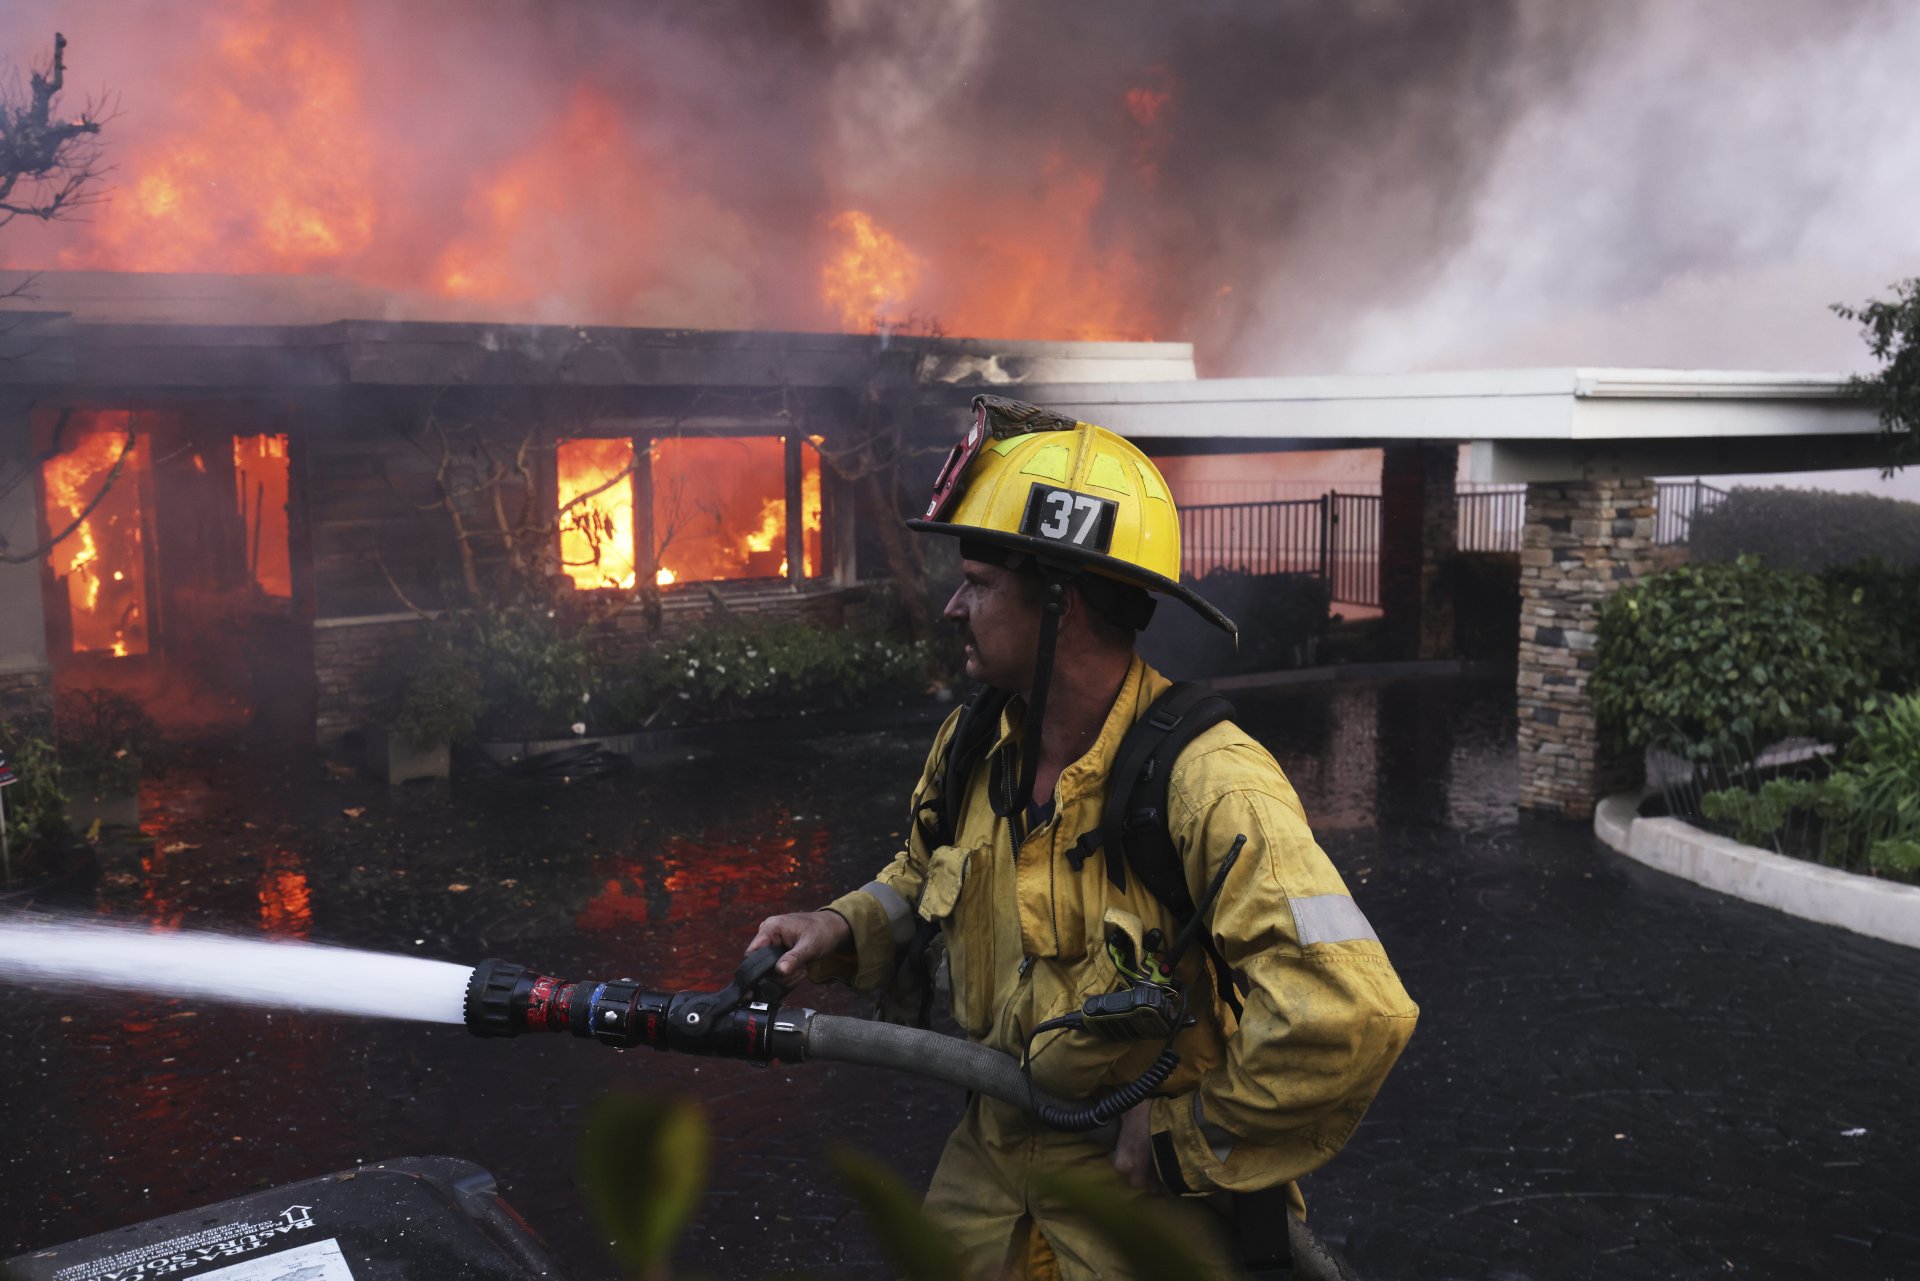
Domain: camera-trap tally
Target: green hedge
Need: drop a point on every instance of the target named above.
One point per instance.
(1884, 601)
(1807, 529)
(731, 670)
(1719, 660)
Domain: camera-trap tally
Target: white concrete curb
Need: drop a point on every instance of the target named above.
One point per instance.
(1864, 904)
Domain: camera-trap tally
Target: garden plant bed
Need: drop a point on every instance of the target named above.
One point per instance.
(1867, 905)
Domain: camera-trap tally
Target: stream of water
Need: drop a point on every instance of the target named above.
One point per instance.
(50, 952)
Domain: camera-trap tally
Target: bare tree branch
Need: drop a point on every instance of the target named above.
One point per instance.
(48, 167)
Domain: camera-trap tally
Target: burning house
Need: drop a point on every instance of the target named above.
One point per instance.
(237, 499)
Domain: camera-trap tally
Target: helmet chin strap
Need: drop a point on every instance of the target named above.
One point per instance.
(1052, 608)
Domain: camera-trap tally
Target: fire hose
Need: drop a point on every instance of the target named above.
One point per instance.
(745, 1020)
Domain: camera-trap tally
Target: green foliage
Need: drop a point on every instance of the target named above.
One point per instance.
(1716, 657)
(105, 740)
(644, 1166)
(1885, 603)
(1864, 816)
(921, 1249)
(1806, 529)
(442, 702)
(729, 669)
(37, 804)
(1892, 333)
(1144, 1236)
(530, 659)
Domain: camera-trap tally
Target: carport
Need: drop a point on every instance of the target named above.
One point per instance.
(1587, 444)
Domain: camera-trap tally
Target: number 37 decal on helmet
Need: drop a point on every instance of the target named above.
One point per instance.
(1063, 516)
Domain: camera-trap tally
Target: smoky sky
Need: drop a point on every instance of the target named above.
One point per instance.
(1295, 187)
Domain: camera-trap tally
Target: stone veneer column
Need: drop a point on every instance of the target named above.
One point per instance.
(1419, 534)
(1583, 541)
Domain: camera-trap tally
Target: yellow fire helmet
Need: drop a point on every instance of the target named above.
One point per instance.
(1073, 495)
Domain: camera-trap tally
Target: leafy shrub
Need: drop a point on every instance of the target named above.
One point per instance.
(1864, 816)
(105, 740)
(1807, 529)
(36, 804)
(441, 702)
(532, 665)
(1716, 657)
(730, 670)
(1885, 602)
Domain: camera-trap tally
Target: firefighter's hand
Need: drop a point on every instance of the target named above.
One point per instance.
(1133, 1153)
(807, 936)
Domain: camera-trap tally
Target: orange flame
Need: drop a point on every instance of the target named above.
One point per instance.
(720, 509)
(1047, 272)
(534, 221)
(104, 560)
(871, 275)
(274, 173)
(276, 152)
(260, 477)
(596, 512)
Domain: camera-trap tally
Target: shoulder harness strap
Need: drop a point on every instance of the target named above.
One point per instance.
(976, 730)
(1134, 830)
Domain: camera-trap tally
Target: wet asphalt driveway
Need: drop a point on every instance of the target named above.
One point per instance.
(1617, 1075)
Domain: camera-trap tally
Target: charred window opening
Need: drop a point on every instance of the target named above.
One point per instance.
(706, 509)
(596, 512)
(261, 479)
(98, 488)
(175, 574)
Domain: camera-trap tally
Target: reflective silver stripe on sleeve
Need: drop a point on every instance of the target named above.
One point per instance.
(899, 915)
(1218, 1139)
(1330, 918)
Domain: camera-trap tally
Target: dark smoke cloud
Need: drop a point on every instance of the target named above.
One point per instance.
(1295, 186)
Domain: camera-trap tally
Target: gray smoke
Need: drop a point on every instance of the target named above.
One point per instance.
(1294, 186)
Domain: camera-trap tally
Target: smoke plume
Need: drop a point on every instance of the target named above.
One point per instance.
(1293, 186)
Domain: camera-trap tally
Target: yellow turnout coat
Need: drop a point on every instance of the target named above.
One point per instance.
(1256, 1102)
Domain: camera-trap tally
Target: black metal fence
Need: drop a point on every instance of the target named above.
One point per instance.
(1491, 520)
(1353, 558)
(1335, 537)
(1254, 538)
(1677, 503)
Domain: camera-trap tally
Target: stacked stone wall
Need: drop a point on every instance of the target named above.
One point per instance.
(356, 663)
(1583, 541)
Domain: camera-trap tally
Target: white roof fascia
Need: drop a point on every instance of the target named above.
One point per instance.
(1520, 404)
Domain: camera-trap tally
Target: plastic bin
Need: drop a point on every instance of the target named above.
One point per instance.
(419, 1217)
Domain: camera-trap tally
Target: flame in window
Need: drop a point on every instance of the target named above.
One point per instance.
(720, 508)
(102, 563)
(596, 512)
(260, 478)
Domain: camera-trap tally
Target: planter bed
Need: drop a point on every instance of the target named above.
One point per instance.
(1864, 904)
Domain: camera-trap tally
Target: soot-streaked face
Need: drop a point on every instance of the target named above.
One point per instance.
(998, 613)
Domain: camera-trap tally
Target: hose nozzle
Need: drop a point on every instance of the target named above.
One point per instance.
(741, 1020)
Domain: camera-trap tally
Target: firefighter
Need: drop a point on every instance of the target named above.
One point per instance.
(1065, 529)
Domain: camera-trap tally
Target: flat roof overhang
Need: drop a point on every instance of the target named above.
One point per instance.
(1522, 425)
